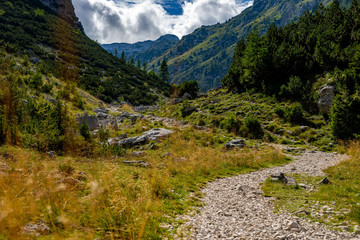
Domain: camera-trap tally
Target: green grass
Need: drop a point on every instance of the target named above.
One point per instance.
(219, 106)
(336, 204)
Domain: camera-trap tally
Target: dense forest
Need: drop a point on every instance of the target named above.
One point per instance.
(289, 61)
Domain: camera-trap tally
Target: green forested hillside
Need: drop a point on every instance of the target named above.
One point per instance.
(61, 48)
(206, 54)
(288, 62)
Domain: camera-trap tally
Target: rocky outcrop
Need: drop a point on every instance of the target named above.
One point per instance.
(186, 96)
(236, 143)
(151, 135)
(327, 95)
(90, 120)
(64, 9)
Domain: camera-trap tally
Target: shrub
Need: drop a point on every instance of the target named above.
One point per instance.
(36, 81)
(345, 117)
(295, 114)
(231, 124)
(66, 169)
(279, 111)
(103, 134)
(46, 88)
(190, 87)
(253, 128)
(85, 131)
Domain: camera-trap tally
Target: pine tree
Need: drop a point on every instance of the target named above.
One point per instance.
(138, 65)
(123, 57)
(132, 61)
(116, 52)
(164, 71)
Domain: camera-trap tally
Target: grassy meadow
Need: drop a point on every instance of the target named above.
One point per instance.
(88, 198)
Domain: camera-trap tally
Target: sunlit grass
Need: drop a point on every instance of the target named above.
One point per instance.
(342, 195)
(81, 198)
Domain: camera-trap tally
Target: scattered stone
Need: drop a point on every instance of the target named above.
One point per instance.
(167, 154)
(228, 213)
(138, 163)
(327, 95)
(304, 128)
(101, 110)
(302, 212)
(37, 229)
(52, 154)
(4, 167)
(151, 135)
(153, 146)
(236, 143)
(90, 120)
(294, 225)
(186, 96)
(137, 154)
(303, 186)
(284, 179)
(175, 101)
(101, 115)
(189, 110)
(325, 181)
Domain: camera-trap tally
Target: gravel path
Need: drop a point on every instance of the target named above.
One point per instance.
(235, 208)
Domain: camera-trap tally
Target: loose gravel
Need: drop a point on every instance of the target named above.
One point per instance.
(235, 207)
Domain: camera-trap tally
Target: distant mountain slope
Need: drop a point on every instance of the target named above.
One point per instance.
(48, 32)
(143, 51)
(205, 55)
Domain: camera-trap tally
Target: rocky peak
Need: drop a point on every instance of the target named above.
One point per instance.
(64, 9)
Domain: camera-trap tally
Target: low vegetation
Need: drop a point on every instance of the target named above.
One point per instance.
(84, 198)
(335, 204)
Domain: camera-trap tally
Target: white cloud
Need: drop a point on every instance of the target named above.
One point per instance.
(117, 21)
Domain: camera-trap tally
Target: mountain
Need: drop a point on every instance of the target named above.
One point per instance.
(51, 36)
(144, 51)
(205, 54)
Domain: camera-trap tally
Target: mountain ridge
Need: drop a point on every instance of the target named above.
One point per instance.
(206, 54)
(144, 51)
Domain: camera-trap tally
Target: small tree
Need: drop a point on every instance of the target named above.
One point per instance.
(123, 57)
(345, 117)
(164, 71)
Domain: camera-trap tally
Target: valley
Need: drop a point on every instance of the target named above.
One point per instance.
(99, 145)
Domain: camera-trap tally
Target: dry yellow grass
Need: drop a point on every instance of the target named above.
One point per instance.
(80, 198)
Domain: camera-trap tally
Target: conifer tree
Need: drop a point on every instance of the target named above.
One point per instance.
(164, 71)
(123, 57)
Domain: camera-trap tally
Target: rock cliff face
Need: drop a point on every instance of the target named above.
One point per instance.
(64, 9)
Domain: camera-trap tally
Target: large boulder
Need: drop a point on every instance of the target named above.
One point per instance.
(151, 135)
(132, 117)
(90, 120)
(186, 96)
(101, 110)
(175, 101)
(236, 143)
(327, 95)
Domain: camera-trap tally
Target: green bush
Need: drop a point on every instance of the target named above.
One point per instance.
(295, 114)
(279, 111)
(103, 134)
(190, 87)
(231, 124)
(345, 117)
(85, 131)
(253, 128)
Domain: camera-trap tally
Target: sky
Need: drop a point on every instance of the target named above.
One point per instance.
(109, 21)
